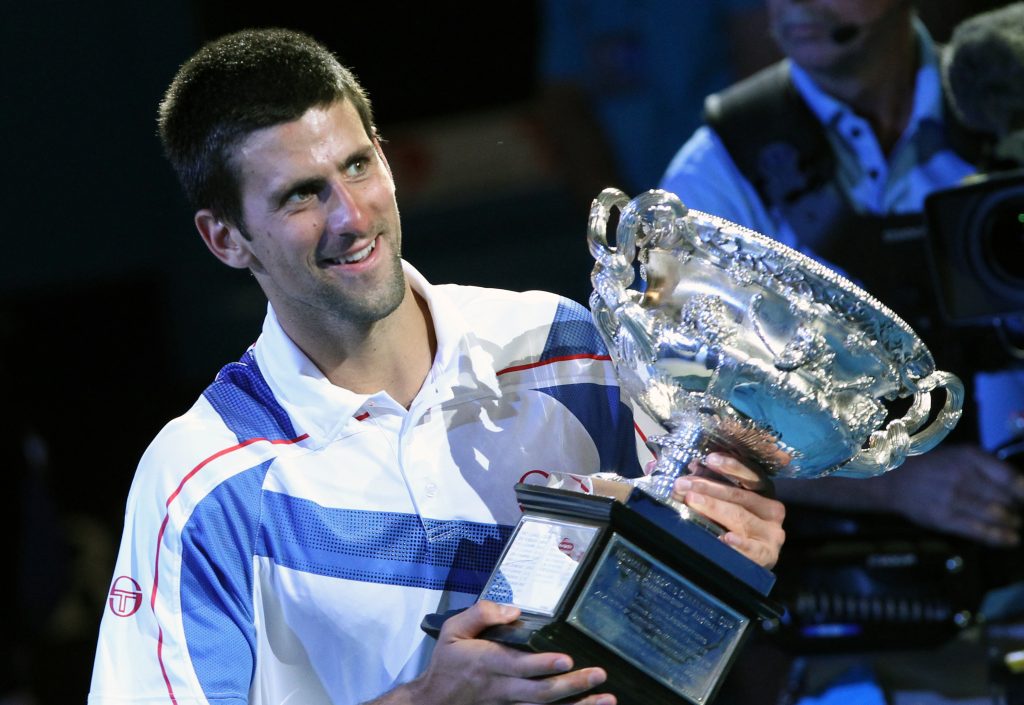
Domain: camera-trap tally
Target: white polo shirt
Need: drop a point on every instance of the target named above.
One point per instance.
(284, 538)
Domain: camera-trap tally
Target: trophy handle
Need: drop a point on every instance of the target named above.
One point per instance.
(617, 260)
(649, 219)
(901, 437)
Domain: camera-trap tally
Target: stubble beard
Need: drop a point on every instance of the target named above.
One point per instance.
(374, 305)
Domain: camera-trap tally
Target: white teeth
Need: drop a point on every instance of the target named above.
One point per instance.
(355, 257)
(361, 255)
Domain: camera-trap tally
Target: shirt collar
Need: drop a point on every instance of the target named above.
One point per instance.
(321, 408)
(460, 363)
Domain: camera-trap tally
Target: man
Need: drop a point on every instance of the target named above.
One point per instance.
(833, 151)
(354, 471)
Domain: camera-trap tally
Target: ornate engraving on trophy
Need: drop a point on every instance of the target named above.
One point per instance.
(735, 342)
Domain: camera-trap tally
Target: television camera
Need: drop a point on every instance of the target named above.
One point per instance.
(976, 248)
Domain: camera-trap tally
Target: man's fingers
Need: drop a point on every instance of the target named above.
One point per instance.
(561, 687)
(764, 508)
(470, 622)
(541, 678)
(762, 553)
(753, 522)
(994, 525)
(529, 665)
(733, 470)
(1002, 478)
(990, 534)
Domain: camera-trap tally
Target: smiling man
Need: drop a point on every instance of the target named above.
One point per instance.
(354, 471)
(321, 235)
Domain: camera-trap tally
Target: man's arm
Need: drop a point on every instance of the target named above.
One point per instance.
(466, 669)
(705, 178)
(956, 489)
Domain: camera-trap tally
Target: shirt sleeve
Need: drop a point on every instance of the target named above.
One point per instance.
(706, 178)
(179, 625)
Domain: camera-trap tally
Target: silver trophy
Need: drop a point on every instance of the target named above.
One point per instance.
(735, 342)
(731, 342)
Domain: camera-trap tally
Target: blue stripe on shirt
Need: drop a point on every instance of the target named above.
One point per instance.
(218, 543)
(379, 547)
(572, 333)
(608, 421)
(239, 520)
(245, 403)
(597, 406)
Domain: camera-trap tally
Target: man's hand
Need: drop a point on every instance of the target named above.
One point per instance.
(753, 523)
(959, 489)
(465, 669)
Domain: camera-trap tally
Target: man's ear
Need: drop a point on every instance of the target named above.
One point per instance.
(225, 241)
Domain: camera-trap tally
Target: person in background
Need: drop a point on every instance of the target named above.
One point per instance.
(833, 151)
(983, 75)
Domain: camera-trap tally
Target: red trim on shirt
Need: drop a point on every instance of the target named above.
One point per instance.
(163, 527)
(529, 365)
(643, 437)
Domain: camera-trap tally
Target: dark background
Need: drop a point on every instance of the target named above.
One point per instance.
(113, 316)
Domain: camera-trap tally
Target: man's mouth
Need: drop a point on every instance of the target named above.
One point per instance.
(357, 256)
(804, 30)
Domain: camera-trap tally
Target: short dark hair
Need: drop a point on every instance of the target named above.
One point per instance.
(234, 85)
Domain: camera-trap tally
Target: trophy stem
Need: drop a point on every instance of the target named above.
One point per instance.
(677, 450)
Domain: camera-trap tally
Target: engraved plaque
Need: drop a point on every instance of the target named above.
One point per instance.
(603, 580)
(662, 623)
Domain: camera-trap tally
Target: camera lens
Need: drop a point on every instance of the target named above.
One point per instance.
(998, 248)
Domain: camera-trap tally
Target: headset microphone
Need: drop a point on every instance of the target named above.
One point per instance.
(844, 33)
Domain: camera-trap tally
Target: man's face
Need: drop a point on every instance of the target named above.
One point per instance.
(318, 202)
(823, 34)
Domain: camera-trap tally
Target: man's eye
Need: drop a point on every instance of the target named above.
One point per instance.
(301, 196)
(357, 167)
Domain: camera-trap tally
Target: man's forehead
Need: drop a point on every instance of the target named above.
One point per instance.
(336, 122)
(322, 136)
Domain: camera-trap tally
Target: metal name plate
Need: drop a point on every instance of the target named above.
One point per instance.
(659, 621)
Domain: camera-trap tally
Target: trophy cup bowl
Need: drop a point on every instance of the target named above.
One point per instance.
(734, 343)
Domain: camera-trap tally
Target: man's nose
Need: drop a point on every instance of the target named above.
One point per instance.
(346, 213)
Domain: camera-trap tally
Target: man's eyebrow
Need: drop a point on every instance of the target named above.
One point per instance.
(363, 153)
(279, 196)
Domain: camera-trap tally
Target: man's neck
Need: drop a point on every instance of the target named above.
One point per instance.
(393, 355)
(878, 84)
